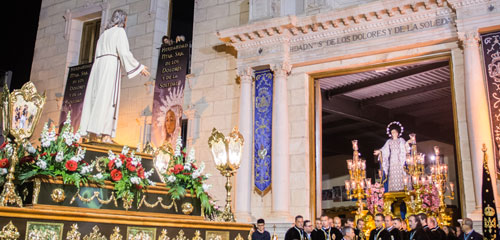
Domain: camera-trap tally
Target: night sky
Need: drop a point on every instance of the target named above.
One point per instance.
(19, 24)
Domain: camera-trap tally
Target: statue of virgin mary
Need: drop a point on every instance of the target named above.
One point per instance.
(393, 155)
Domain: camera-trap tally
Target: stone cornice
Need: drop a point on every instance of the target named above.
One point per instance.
(348, 20)
(465, 3)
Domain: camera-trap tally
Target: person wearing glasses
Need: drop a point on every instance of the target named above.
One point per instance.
(379, 233)
(308, 229)
(468, 232)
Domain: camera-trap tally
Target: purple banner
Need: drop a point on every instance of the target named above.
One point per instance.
(169, 93)
(491, 53)
(74, 93)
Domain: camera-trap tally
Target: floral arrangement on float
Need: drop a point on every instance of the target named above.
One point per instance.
(59, 155)
(127, 174)
(6, 153)
(184, 176)
(375, 199)
(430, 198)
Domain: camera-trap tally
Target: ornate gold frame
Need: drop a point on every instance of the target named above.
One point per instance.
(29, 95)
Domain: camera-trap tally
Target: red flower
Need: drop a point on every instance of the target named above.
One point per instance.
(122, 157)
(43, 154)
(111, 164)
(140, 172)
(193, 166)
(129, 159)
(4, 163)
(116, 175)
(3, 145)
(184, 154)
(186, 173)
(130, 167)
(53, 154)
(71, 165)
(75, 144)
(178, 168)
(138, 186)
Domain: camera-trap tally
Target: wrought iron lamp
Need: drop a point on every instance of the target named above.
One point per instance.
(227, 156)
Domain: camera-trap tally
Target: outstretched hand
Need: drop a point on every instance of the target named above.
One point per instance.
(145, 72)
(376, 152)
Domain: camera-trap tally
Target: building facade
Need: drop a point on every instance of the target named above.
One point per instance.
(301, 41)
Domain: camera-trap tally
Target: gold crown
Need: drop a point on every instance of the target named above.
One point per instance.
(489, 211)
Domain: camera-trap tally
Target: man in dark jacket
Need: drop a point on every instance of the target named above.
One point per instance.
(389, 226)
(436, 232)
(468, 232)
(416, 232)
(360, 225)
(296, 232)
(326, 232)
(260, 233)
(379, 233)
(398, 224)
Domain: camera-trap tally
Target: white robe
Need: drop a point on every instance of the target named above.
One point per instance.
(102, 97)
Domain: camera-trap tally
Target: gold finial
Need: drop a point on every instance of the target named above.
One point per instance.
(484, 148)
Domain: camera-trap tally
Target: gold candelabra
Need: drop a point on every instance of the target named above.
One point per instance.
(227, 156)
(357, 186)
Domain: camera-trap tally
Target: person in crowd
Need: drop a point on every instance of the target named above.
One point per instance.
(393, 231)
(326, 231)
(260, 233)
(337, 228)
(450, 233)
(468, 232)
(422, 217)
(401, 226)
(436, 232)
(349, 222)
(308, 230)
(296, 232)
(458, 231)
(416, 231)
(348, 233)
(360, 225)
(317, 224)
(330, 222)
(379, 233)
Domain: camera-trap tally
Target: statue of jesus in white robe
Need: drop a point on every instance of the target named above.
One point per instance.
(102, 96)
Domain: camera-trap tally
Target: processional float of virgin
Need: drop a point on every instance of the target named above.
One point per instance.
(73, 186)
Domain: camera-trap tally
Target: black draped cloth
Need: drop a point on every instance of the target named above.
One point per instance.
(380, 234)
(294, 233)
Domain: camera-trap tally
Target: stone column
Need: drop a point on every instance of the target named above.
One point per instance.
(244, 175)
(478, 122)
(190, 114)
(318, 162)
(280, 140)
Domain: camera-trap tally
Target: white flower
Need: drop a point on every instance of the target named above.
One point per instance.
(125, 150)
(191, 157)
(206, 187)
(68, 119)
(111, 155)
(9, 150)
(30, 148)
(3, 171)
(118, 163)
(149, 173)
(187, 167)
(178, 147)
(68, 138)
(77, 136)
(98, 176)
(41, 164)
(195, 174)
(171, 178)
(59, 157)
(87, 169)
(151, 183)
(135, 180)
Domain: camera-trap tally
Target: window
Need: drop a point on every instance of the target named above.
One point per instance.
(90, 34)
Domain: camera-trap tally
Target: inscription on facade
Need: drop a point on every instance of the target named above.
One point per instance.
(378, 33)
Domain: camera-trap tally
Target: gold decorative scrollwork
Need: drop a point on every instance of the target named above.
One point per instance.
(180, 236)
(187, 208)
(197, 235)
(239, 237)
(58, 195)
(73, 234)
(100, 165)
(163, 235)
(9, 232)
(95, 196)
(116, 234)
(36, 190)
(95, 235)
(159, 201)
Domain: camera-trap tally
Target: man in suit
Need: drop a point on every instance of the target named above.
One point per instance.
(296, 232)
(379, 233)
(436, 232)
(337, 228)
(416, 231)
(317, 225)
(468, 232)
(389, 226)
(308, 229)
(422, 217)
(401, 226)
(359, 230)
(260, 233)
(348, 233)
(326, 232)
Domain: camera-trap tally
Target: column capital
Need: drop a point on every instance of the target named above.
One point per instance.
(281, 69)
(190, 113)
(469, 38)
(245, 74)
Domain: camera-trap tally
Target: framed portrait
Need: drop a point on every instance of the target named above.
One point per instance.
(44, 230)
(25, 108)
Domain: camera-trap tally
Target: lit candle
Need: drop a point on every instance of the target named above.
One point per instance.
(380, 174)
(414, 178)
(355, 145)
(432, 170)
(452, 187)
(413, 138)
(363, 165)
(349, 164)
(429, 179)
(445, 169)
(347, 185)
(362, 184)
(436, 151)
(405, 180)
(368, 182)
